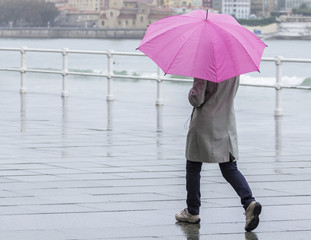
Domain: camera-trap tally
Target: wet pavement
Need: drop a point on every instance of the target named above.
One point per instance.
(82, 168)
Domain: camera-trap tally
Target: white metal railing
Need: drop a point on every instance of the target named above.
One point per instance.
(159, 77)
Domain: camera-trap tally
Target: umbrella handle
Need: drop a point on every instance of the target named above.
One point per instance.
(206, 14)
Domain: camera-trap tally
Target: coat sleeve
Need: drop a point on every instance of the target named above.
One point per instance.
(197, 92)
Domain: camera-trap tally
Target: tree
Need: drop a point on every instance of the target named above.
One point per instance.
(257, 22)
(21, 13)
(303, 10)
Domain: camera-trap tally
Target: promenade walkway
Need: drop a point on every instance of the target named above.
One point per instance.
(82, 168)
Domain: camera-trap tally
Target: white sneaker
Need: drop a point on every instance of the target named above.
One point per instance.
(252, 216)
(185, 216)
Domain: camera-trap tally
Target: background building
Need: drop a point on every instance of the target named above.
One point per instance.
(270, 6)
(217, 5)
(198, 3)
(262, 8)
(88, 5)
(257, 7)
(239, 8)
(181, 3)
(163, 3)
(207, 3)
(288, 5)
(138, 15)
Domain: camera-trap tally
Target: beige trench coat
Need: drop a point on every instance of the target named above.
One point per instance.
(212, 135)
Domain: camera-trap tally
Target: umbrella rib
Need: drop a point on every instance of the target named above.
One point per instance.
(212, 52)
(181, 48)
(158, 35)
(215, 59)
(239, 43)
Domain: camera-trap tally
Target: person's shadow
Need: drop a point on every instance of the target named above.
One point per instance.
(191, 231)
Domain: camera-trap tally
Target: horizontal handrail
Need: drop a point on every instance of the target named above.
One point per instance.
(10, 69)
(264, 59)
(10, 49)
(296, 60)
(88, 52)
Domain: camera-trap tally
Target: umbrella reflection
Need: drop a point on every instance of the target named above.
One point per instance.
(191, 231)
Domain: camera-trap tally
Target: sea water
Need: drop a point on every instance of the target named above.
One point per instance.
(293, 73)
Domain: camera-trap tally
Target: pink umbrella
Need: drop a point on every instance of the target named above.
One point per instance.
(203, 45)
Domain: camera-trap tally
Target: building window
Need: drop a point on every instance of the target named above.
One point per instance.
(111, 14)
(103, 23)
(119, 22)
(126, 22)
(134, 22)
(141, 18)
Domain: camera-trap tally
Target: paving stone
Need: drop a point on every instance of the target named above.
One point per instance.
(83, 168)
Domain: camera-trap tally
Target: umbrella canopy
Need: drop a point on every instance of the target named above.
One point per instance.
(204, 45)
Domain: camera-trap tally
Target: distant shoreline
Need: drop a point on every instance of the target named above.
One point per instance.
(100, 33)
(96, 33)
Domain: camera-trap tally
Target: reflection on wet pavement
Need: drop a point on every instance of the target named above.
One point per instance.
(191, 231)
(251, 236)
(83, 168)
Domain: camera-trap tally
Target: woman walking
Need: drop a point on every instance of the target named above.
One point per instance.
(212, 138)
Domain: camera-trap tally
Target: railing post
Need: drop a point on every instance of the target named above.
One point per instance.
(278, 87)
(110, 96)
(159, 101)
(23, 70)
(65, 71)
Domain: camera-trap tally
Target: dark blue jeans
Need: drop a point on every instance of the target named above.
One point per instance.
(229, 171)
